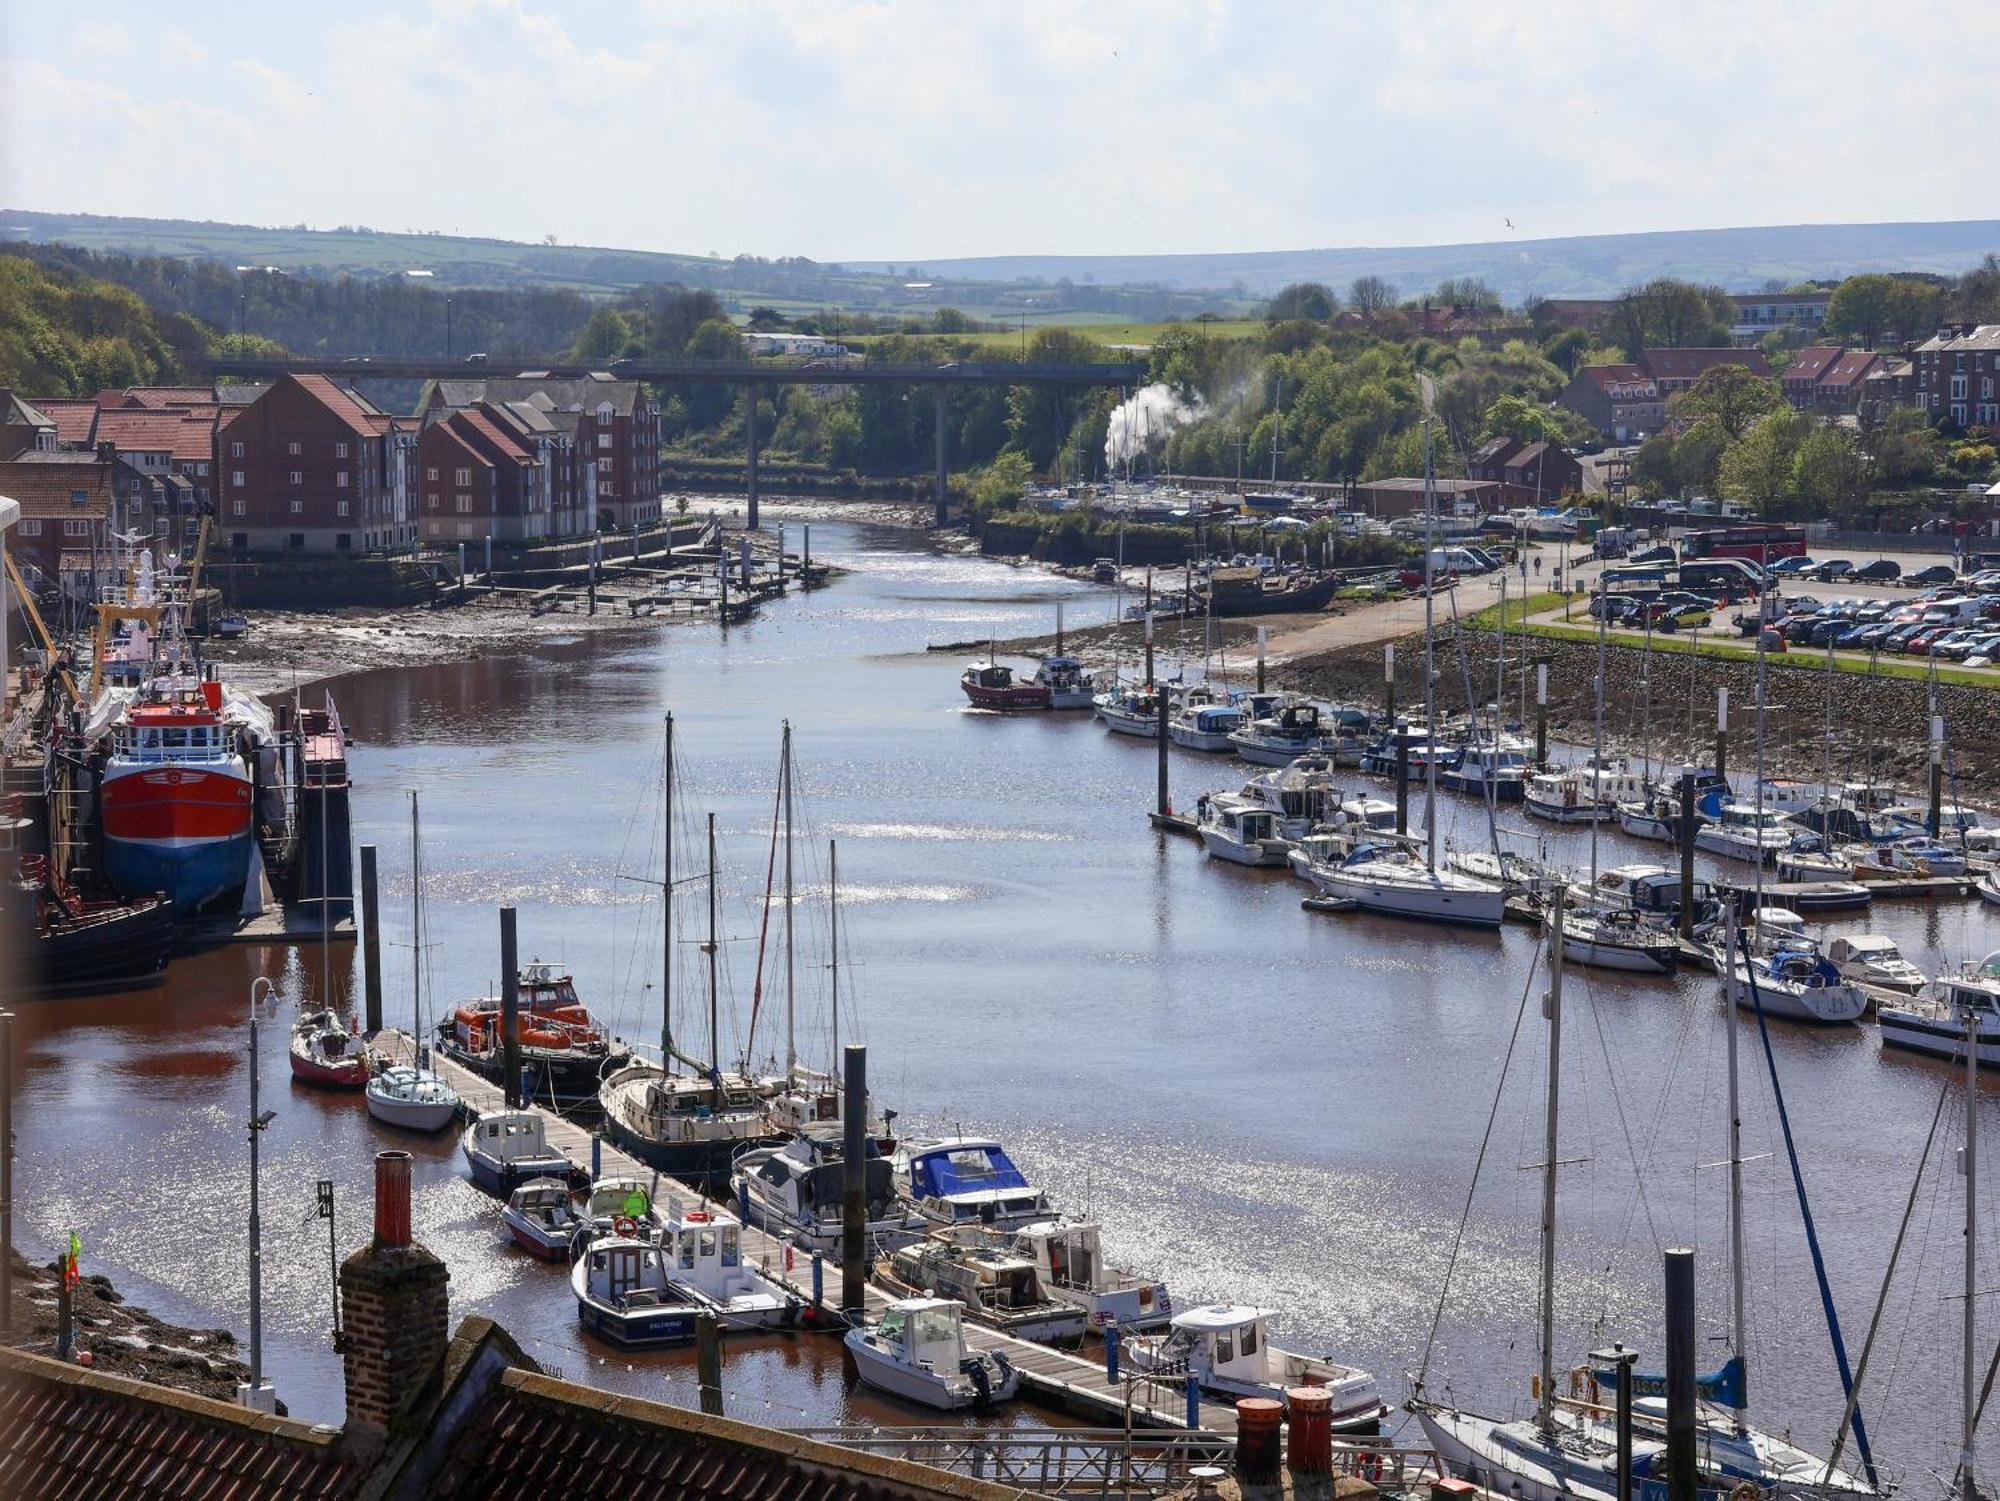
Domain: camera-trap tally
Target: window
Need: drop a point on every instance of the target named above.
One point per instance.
(239, 507)
(463, 505)
(604, 440)
(1225, 1347)
(462, 477)
(433, 499)
(340, 479)
(31, 527)
(298, 478)
(296, 540)
(340, 450)
(604, 466)
(201, 471)
(75, 528)
(236, 450)
(1249, 1339)
(236, 478)
(344, 540)
(1958, 388)
(298, 507)
(292, 449)
(340, 509)
(431, 474)
(1986, 388)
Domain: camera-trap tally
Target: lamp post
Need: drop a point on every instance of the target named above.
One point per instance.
(257, 1393)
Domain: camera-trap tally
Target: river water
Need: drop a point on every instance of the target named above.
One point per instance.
(1258, 1102)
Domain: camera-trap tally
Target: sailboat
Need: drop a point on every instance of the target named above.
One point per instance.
(411, 1096)
(689, 1126)
(1394, 881)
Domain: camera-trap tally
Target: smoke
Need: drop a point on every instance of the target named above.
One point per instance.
(1143, 423)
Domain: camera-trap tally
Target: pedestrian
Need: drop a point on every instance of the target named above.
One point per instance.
(1538, 565)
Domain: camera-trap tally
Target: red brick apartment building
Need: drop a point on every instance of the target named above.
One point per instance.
(311, 465)
(499, 470)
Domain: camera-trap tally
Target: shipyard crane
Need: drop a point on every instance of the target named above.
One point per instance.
(35, 622)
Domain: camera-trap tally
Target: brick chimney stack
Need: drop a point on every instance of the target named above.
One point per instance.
(395, 1309)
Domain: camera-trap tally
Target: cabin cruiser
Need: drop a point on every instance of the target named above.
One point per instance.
(1740, 831)
(1785, 796)
(1069, 683)
(1130, 710)
(506, 1148)
(624, 1294)
(989, 685)
(795, 1192)
(1808, 860)
(1366, 812)
(1936, 1023)
(1420, 748)
(1292, 729)
(1913, 857)
(809, 1099)
(917, 1352)
(1223, 1346)
(1583, 794)
(979, 1268)
(1396, 882)
(1072, 1268)
(1302, 794)
(1651, 890)
(561, 1044)
(1235, 829)
(541, 1218)
(967, 1180)
(1486, 770)
(689, 1126)
(1873, 959)
(1204, 727)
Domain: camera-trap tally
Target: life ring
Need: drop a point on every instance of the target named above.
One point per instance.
(625, 1226)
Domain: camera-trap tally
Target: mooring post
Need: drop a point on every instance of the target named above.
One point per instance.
(1937, 774)
(1402, 778)
(590, 574)
(781, 557)
(1389, 682)
(489, 560)
(1687, 854)
(371, 946)
(819, 1280)
(1160, 695)
(6, 1174)
(1193, 1403)
(1263, 640)
(1681, 1477)
(1722, 733)
(1111, 1336)
(743, 557)
(1542, 711)
(1149, 647)
(854, 1183)
(806, 556)
(708, 1362)
(1620, 1360)
(750, 440)
(938, 495)
(596, 1157)
(510, 1011)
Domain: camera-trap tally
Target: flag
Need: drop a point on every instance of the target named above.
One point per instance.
(70, 1275)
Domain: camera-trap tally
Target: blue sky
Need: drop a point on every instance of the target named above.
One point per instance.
(845, 129)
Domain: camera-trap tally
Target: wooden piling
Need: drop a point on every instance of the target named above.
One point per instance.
(708, 1362)
(510, 1011)
(371, 944)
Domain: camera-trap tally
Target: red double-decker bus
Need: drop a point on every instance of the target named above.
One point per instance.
(1753, 541)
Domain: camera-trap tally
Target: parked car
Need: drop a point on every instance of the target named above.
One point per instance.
(1679, 617)
(1881, 571)
(1801, 564)
(1897, 638)
(1937, 573)
(1654, 555)
(1833, 568)
(1861, 635)
(1612, 608)
(1956, 646)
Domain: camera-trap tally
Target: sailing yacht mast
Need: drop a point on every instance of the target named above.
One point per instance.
(667, 903)
(833, 936)
(416, 926)
(713, 947)
(791, 997)
(1969, 1402)
(1545, 1407)
(1597, 745)
(1429, 389)
(1739, 1321)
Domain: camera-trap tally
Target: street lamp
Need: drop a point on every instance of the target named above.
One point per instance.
(257, 1393)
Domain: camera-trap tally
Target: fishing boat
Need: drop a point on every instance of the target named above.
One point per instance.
(1936, 1023)
(998, 1286)
(625, 1294)
(506, 1148)
(326, 1053)
(540, 1216)
(1874, 959)
(917, 1351)
(1068, 683)
(1291, 729)
(66, 943)
(1204, 726)
(1235, 592)
(710, 1269)
(795, 1191)
(1235, 829)
(1399, 883)
(990, 685)
(1070, 1264)
(412, 1097)
(1743, 831)
(1225, 1349)
(963, 1180)
(562, 1047)
(1129, 709)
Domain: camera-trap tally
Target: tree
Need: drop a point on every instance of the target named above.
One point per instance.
(766, 320)
(1697, 458)
(1977, 295)
(603, 337)
(1302, 299)
(1875, 305)
(1002, 483)
(1469, 293)
(1523, 421)
(1730, 394)
(1904, 448)
(1828, 468)
(1667, 313)
(1370, 295)
(1758, 467)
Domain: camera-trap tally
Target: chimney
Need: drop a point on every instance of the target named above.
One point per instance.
(395, 1309)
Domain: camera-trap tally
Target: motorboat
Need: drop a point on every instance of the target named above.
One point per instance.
(1740, 831)
(1366, 811)
(625, 1294)
(917, 1351)
(1513, 873)
(1988, 886)
(1397, 882)
(989, 685)
(809, 1100)
(326, 1053)
(1657, 817)
(1618, 938)
(1071, 1266)
(689, 1126)
(1583, 794)
(1302, 794)
(1936, 1022)
(709, 1268)
(618, 1205)
(412, 1098)
(967, 1180)
(1068, 681)
(1873, 959)
(1233, 828)
(1786, 796)
(562, 1047)
(1908, 859)
(540, 1216)
(506, 1148)
(1486, 770)
(1130, 710)
(1291, 729)
(1807, 860)
(1795, 981)
(1204, 727)
(1224, 1347)
(1650, 890)
(981, 1269)
(233, 626)
(795, 1192)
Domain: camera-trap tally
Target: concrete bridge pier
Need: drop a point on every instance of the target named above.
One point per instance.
(938, 421)
(750, 431)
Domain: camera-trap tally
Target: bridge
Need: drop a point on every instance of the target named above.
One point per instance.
(754, 373)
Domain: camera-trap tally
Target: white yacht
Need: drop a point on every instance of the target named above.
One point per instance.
(1873, 959)
(1936, 1023)
(412, 1099)
(1742, 831)
(795, 1192)
(1224, 1347)
(1398, 883)
(1657, 818)
(963, 1180)
(1291, 730)
(1235, 829)
(1302, 794)
(918, 1352)
(1130, 710)
(1204, 727)
(1583, 794)
(1067, 1258)
(1795, 981)
(1614, 937)
(1484, 769)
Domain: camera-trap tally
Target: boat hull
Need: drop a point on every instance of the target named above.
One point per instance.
(1916, 1032)
(426, 1116)
(102, 948)
(1019, 696)
(1432, 901)
(1221, 846)
(923, 1387)
(1145, 726)
(185, 831)
(1555, 812)
(1647, 959)
(1648, 826)
(347, 1073)
(1502, 789)
(1820, 1005)
(502, 1178)
(706, 1163)
(565, 1085)
(645, 1329)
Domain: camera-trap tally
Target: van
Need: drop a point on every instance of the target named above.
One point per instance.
(1953, 611)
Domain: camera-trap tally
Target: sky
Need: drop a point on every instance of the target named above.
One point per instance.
(850, 130)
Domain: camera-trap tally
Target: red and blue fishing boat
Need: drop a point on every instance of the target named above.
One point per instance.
(991, 686)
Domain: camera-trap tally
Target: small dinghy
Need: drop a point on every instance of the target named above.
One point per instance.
(541, 1218)
(506, 1148)
(325, 1053)
(1223, 1347)
(412, 1099)
(917, 1352)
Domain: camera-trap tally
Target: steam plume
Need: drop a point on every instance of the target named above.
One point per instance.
(1143, 422)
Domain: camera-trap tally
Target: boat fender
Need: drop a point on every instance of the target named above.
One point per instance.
(625, 1226)
(697, 1216)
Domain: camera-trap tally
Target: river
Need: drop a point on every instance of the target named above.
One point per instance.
(1258, 1102)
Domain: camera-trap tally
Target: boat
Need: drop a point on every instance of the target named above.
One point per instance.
(562, 1047)
(66, 943)
(1619, 938)
(1873, 959)
(326, 1053)
(1128, 709)
(625, 1294)
(1795, 981)
(990, 685)
(1204, 726)
(618, 1205)
(412, 1097)
(1068, 683)
(795, 1190)
(961, 1180)
(1743, 831)
(1223, 1346)
(710, 1269)
(1514, 874)
(1301, 793)
(1233, 592)
(1292, 728)
(1233, 828)
(1988, 886)
(978, 1268)
(1399, 883)
(1657, 817)
(506, 1148)
(1070, 1263)
(540, 1216)
(233, 626)
(1905, 859)
(1583, 794)
(1936, 1022)
(1487, 770)
(917, 1351)
(1650, 890)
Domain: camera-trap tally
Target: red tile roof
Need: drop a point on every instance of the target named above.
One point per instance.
(451, 435)
(1810, 363)
(1616, 375)
(1692, 364)
(478, 422)
(47, 484)
(1853, 365)
(75, 417)
(65, 1431)
(173, 396)
(339, 402)
(157, 431)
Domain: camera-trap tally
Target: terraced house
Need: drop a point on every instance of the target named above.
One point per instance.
(1957, 372)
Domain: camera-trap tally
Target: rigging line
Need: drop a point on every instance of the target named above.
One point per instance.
(1882, 1296)
(1486, 1137)
(1805, 1213)
(764, 926)
(1617, 1099)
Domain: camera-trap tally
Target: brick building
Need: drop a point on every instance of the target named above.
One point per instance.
(1957, 375)
(1623, 402)
(24, 427)
(67, 501)
(1675, 370)
(492, 471)
(613, 426)
(311, 465)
